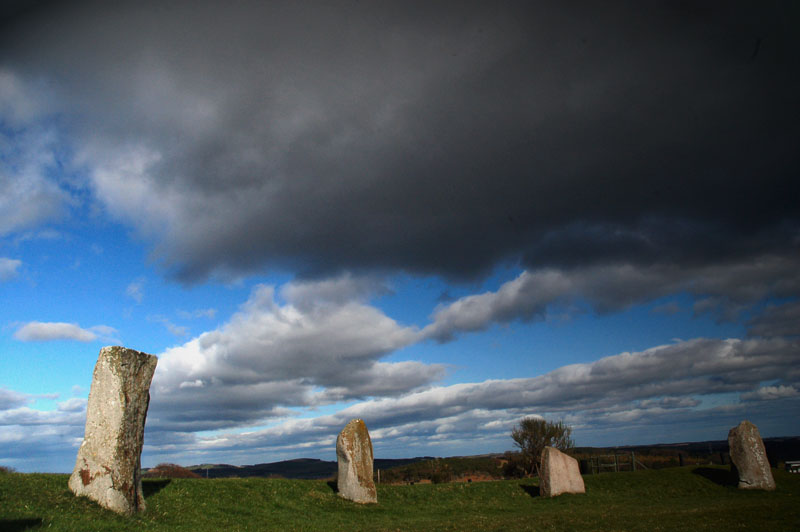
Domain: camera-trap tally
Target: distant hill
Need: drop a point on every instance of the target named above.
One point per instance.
(300, 468)
(778, 450)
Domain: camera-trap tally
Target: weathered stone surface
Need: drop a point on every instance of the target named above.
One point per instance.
(750, 457)
(354, 454)
(559, 473)
(107, 469)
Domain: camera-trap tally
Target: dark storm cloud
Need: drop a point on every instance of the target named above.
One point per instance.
(434, 139)
(777, 320)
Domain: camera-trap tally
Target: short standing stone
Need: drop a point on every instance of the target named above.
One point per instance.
(354, 454)
(750, 457)
(107, 469)
(559, 473)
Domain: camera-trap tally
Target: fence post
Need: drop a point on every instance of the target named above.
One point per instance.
(633, 461)
(616, 466)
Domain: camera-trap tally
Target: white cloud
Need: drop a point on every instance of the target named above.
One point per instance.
(37, 331)
(646, 391)
(8, 268)
(10, 399)
(769, 393)
(176, 330)
(75, 404)
(646, 394)
(320, 343)
(36, 440)
(701, 366)
(74, 415)
(209, 313)
(664, 377)
(311, 350)
(325, 344)
(47, 233)
(33, 440)
(726, 291)
(525, 297)
(105, 333)
(337, 290)
(135, 290)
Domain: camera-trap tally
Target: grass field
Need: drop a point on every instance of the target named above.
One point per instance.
(688, 498)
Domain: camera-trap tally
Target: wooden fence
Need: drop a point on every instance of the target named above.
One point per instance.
(614, 462)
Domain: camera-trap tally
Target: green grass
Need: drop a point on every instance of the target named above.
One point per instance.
(689, 498)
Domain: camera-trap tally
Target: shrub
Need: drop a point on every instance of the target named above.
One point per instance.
(513, 465)
(440, 472)
(532, 435)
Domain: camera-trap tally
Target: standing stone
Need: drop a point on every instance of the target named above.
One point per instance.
(559, 473)
(108, 466)
(354, 454)
(750, 457)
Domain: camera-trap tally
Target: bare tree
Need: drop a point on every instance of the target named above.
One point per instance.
(532, 435)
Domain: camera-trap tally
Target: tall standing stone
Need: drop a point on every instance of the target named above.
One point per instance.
(354, 454)
(107, 469)
(559, 473)
(750, 457)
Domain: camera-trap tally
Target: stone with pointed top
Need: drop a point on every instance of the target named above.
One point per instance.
(559, 473)
(750, 457)
(107, 469)
(354, 454)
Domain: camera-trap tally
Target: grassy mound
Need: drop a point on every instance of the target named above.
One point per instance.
(170, 471)
(688, 498)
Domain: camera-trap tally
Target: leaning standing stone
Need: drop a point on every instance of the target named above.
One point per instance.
(750, 457)
(354, 454)
(559, 473)
(108, 466)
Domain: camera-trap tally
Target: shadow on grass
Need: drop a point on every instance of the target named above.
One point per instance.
(533, 491)
(18, 525)
(332, 485)
(151, 487)
(723, 477)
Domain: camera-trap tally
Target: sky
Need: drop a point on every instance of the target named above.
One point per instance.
(439, 217)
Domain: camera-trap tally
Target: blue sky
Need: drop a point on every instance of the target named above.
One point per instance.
(437, 220)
